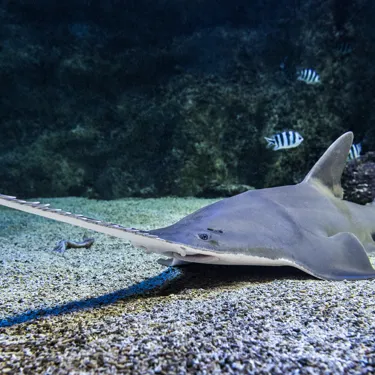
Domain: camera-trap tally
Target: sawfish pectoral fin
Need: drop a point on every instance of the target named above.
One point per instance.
(338, 257)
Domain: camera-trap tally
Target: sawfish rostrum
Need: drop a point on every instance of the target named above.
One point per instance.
(308, 226)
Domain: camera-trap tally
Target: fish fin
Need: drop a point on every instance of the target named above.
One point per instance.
(328, 169)
(338, 257)
(271, 142)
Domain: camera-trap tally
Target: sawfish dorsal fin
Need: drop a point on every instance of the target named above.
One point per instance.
(328, 169)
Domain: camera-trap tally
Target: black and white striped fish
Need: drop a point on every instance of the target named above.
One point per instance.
(284, 140)
(309, 76)
(355, 151)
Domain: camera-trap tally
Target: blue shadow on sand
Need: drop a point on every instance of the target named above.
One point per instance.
(149, 285)
(195, 276)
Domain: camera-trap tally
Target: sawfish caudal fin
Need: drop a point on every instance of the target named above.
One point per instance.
(340, 257)
(328, 169)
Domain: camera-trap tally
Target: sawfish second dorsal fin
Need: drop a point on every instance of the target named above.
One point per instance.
(328, 170)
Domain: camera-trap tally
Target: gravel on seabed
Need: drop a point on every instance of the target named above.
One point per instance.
(113, 309)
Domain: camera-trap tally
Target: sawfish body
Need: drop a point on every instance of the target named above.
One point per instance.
(302, 226)
(308, 226)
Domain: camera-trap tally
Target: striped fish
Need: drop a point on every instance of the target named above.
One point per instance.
(355, 151)
(284, 140)
(309, 76)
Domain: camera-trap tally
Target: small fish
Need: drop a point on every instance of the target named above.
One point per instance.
(355, 151)
(309, 76)
(284, 140)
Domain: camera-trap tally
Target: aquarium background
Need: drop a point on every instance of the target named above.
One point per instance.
(110, 99)
(169, 99)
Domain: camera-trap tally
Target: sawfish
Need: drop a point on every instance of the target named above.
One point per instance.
(308, 226)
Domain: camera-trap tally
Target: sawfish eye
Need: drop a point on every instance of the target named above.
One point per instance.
(203, 236)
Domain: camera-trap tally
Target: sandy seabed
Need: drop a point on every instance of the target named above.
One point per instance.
(112, 309)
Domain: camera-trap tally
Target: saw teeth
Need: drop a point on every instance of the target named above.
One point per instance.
(7, 196)
(118, 226)
(149, 235)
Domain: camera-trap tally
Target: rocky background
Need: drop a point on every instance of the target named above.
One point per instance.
(108, 99)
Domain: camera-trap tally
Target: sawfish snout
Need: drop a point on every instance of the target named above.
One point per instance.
(196, 238)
